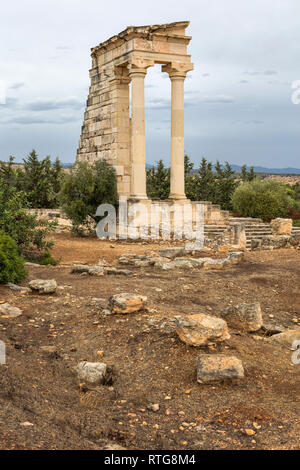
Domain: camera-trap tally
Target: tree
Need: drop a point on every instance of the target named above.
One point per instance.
(8, 176)
(41, 181)
(158, 181)
(85, 188)
(11, 263)
(24, 228)
(247, 175)
(265, 199)
(225, 185)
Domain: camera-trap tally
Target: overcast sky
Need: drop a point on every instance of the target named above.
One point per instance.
(237, 100)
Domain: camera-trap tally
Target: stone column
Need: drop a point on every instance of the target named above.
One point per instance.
(177, 74)
(137, 73)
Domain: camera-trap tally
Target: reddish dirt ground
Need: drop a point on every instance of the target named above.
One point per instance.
(149, 363)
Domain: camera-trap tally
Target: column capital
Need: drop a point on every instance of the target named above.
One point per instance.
(120, 75)
(177, 70)
(139, 66)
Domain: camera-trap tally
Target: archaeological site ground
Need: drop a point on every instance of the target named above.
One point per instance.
(157, 341)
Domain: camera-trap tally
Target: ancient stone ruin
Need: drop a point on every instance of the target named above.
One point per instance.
(109, 132)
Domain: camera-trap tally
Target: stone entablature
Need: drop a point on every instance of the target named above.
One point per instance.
(108, 132)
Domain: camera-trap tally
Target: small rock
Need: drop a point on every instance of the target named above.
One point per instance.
(49, 349)
(106, 311)
(91, 372)
(201, 329)
(96, 270)
(286, 338)
(213, 368)
(154, 407)
(234, 257)
(127, 303)
(9, 311)
(214, 264)
(244, 317)
(26, 424)
(117, 272)
(47, 286)
(102, 262)
(17, 288)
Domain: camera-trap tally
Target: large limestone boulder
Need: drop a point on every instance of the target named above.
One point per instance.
(43, 286)
(213, 368)
(287, 338)
(91, 372)
(127, 303)
(281, 226)
(244, 317)
(201, 329)
(9, 311)
(172, 252)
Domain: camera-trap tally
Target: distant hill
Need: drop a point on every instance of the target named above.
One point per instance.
(270, 171)
(257, 169)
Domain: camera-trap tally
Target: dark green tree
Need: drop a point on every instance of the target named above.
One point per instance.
(158, 181)
(85, 188)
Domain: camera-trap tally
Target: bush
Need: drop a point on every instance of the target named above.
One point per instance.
(85, 188)
(11, 263)
(24, 228)
(265, 199)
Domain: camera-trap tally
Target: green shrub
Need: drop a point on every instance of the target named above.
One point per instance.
(28, 232)
(11, 263)
(265, 199)
(85, 188)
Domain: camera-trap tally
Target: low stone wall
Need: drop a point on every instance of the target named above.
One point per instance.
(275, 242)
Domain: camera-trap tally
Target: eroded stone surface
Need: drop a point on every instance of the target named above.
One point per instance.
(127, 303)
(9, 311)
(43, 286)
(91, 372)
(287, 337)
(213, 368)
(172, 252)
(244, 317)
(281, 226)
(201, 329)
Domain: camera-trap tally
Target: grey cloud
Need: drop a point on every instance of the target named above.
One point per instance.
(49, 104)
(27, 120)
(270, 72)
(17, 85)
